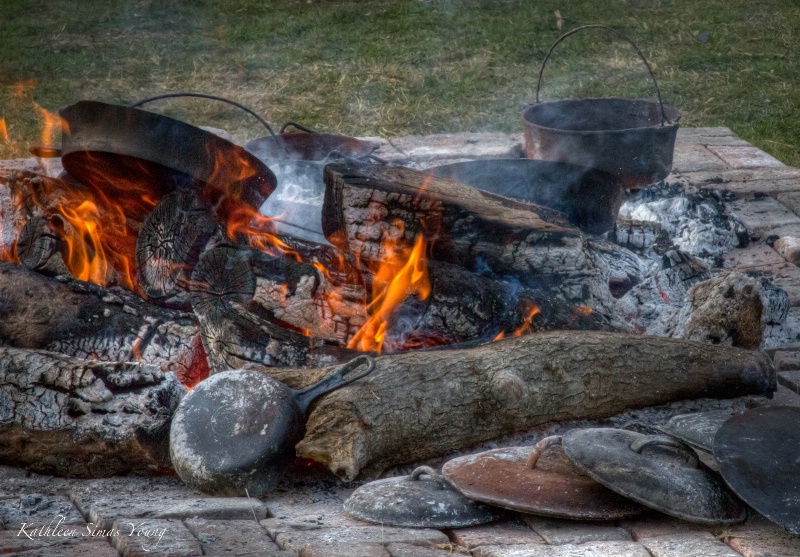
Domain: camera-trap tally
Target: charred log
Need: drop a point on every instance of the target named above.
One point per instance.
(80, 319)
(169, 245)
(415, 405)
(71, 417)
(39, 246)
(234, 332)
(367, 205)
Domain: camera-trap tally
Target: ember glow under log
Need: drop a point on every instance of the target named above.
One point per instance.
(423, 404)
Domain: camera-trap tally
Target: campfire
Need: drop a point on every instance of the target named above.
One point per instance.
(145, 268)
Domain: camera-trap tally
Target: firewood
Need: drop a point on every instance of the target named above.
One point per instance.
(365, 205)
(80, 319)
(79, 418)
(169, 244)
(234, 335)
(423, 404)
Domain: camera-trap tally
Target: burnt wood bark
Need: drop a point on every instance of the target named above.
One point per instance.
(234, 333)
(80, 319)
(72, 417)
(423, 404)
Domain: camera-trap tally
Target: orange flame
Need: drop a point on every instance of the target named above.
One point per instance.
(583, 310)
(526, 326)
(50, 123)
(392, 284)
(4, 130)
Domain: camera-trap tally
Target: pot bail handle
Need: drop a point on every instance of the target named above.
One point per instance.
(664, 118)
(213, 98)
(663, 441)
(540, 447)
(304, 397)
(427, 471)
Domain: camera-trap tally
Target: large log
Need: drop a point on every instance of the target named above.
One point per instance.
(80, 319)
(367, 206)
(71, 417)
(423, 404)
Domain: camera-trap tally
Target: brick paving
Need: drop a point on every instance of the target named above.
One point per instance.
(160, 517)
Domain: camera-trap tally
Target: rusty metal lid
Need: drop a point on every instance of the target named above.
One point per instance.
(697, 430)
(536, 480)
(758, 453)
(654, 470)
(421, 500)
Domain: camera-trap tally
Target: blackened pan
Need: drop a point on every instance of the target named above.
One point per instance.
(632, 139)
(309, 145)
(590, 198)
(128, 154)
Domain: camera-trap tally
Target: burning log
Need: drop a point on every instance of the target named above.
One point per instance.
(234, 335)
(169, 244)
(423, 404)
(367, 206)
(80, 319)
(71, 417)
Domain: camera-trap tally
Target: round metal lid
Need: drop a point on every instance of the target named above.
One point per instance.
(536, 480)
(421, 500)
(654, 470)
(697, 430)
(758, 454)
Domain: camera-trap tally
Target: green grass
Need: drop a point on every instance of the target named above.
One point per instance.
(397, 67)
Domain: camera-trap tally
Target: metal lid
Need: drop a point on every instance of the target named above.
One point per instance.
(416, 502)
(758, 454)
(654, 470)
(537, 481)
(698, 429)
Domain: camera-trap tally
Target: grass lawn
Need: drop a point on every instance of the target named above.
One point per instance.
(397, 67)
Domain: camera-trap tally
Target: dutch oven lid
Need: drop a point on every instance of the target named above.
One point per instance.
(421, 500)
(654, 470)
(758, 454)
(697, 430)
(539, 481)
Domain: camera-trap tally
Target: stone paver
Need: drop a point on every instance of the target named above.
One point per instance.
(786, 360)
(652, 526)
(134, 537)
(755, 255)
(760, 538)
(764, 216)
(89, 549)
(27, 539)
(688, 545)
(559, 532)
(461, 145)
(238, 538)
(386, 151)
(790, 380)
(506, 532)
(297, 536)
(595, 549)
(744, 156)
(16, 481)
(407, 550)
(743, 183)
(38, 509)
(790, 200)
(708, 136)
(105, 510)
(694, 158)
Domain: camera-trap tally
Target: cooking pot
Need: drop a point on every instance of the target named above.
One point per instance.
(632, 139)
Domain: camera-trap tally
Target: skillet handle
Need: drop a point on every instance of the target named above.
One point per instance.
(664, 441)
(664, 118)
(339, 378)
(297, 126)
(213, 98)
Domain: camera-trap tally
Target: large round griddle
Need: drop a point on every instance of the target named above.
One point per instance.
(536, 481)
(421, 500)
(656, 471)
(758, 454)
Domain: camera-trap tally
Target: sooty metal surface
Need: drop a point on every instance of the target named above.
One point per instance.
(540, 480)
(758, 454)
(656, 471)
(697, 430)
(421, 500)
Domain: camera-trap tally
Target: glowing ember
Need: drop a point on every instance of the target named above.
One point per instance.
(392, 284)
